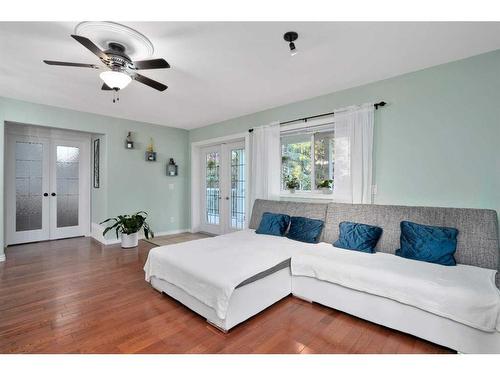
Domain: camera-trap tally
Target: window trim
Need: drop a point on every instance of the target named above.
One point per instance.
(314, 193)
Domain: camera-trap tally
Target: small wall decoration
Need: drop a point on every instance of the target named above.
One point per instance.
(150, 154)
(129, 143)
(172, 168)
(96, 162)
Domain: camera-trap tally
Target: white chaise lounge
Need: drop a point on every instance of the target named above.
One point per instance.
(228, 279)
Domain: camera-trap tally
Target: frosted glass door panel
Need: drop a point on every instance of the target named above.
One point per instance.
(28, 185)
(67, 185)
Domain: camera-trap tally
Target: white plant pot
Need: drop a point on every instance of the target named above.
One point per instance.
(130, 240)
(292, 191)
(326, 190)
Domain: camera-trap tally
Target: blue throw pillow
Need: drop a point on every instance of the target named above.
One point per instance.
(428, 243)
(360, 237)
(273, 224)
(304, 229)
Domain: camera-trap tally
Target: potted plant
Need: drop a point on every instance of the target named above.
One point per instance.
(292, 183)
(129, 226)
(325, 186)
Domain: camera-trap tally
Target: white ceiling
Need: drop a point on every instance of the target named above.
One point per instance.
(225, 70)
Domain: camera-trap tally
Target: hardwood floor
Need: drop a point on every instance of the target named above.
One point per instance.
(77, 296)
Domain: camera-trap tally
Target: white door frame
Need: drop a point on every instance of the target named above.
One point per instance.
(41, 132)
(197, 174)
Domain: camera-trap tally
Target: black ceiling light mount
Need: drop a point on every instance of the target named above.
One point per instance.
(291, 37)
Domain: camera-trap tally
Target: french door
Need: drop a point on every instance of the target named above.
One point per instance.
(224, 188)
(47, 188)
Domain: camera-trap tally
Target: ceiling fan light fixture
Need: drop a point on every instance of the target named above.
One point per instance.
(293, 49)
(115, 80)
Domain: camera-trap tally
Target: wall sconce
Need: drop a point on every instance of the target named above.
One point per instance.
(172, 168)
(129, 143)
(150, 154)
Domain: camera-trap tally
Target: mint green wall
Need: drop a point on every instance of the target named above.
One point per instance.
(437, 143)
(128, 182)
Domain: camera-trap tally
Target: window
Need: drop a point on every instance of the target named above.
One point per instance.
(307, 158)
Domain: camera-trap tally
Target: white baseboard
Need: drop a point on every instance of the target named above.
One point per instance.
(2, 257)
(97, 230)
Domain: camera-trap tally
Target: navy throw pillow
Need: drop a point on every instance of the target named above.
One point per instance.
(273, 224)
(428, 243)
(304, 229)
(356, 236)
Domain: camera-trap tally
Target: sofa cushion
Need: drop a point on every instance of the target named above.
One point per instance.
(356, 236)
(310, 210)
(428, 243)
(273, 224)
(465, 294)
(304, 229)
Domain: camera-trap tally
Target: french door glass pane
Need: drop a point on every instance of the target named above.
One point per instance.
(67, 176)
(28, 186)
(212, 168)
(237, 188)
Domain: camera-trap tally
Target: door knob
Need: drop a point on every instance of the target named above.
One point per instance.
(45, 194)
(227, 198)
(53, 194)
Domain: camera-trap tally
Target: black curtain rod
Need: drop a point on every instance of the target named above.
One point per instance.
(376, 105)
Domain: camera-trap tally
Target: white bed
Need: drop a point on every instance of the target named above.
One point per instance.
(245, 302)
(208, 277)
(396, 315)
(457, 307)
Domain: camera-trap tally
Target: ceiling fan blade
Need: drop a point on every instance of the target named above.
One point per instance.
(105, 87)
(64, 63)
(151, 64)
(151, 83)
(87, 43)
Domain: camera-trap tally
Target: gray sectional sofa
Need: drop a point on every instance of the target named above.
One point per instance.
(228, 279)
(477, 246)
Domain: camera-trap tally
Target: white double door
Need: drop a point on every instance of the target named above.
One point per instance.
(47, 192)
(223, 193)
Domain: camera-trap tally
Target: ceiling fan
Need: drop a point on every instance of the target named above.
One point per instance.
(122, 70)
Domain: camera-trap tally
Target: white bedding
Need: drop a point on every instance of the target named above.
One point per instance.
(465, 294)
(210, 269)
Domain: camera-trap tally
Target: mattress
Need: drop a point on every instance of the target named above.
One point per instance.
(463, 293)
(211, 269)
(246, 301)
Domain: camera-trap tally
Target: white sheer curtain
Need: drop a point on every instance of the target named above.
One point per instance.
(352, 174)
(265, 163)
